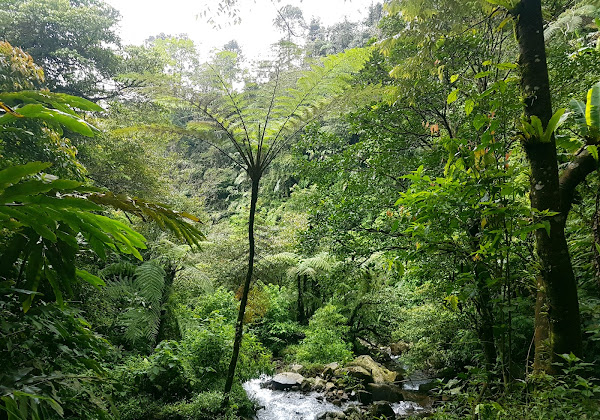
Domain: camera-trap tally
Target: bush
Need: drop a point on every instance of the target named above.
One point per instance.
(277, 329)
(324, 342)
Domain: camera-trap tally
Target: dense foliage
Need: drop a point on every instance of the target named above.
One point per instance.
(372, 186)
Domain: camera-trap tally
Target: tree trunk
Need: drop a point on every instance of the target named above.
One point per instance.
(557, 278)
(301, 313)
(239, 326)
(596, 231)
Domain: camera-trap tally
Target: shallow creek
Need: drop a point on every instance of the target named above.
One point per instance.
(287, 405)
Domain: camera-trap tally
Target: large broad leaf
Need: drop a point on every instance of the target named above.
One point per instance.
(578, 108)
(14, 174)
(592, 109)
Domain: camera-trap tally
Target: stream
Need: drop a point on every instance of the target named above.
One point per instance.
(296, 405)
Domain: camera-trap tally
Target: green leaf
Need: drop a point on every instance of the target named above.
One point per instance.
(453, 96)
(469, 106)
(553, 124)
(506, 66)
(536, 123)
(95, 281)
(593, 151)
(578, 108)
(592, 109)
(14, 174)
(453, 78)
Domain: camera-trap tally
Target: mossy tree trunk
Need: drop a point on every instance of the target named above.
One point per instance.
(557, 311)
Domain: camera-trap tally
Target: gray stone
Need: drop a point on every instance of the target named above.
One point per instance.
(286, 380)
(328, 369)
(319, 384)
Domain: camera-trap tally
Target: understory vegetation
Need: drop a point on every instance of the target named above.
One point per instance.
(172, 227)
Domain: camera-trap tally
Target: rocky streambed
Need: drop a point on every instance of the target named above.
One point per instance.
(362, 389)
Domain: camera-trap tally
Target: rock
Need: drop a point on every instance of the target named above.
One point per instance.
(308, 384)
(329, 386)
(286, 380)
(378, 373)
(319, 384)
(382, 410)
(328, 369)
(428, 386)
(296, 368)
(399, 347)
(364, 397)
(357, 372)
(385, 392)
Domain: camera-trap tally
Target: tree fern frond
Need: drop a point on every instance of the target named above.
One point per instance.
(150, 281)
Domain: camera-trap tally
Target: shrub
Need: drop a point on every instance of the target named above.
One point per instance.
(324, 342)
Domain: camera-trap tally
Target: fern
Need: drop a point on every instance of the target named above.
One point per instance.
(150, 281)
(570, 21)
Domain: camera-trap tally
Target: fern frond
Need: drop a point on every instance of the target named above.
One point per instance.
(150, 281)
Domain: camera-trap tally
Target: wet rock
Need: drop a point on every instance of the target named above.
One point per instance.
(428, 386)
(332, 416)
(286, 380)
(382, 410)
(364, 397)
(308, 384)
(399, 348)
(329, 386)
(385, 392)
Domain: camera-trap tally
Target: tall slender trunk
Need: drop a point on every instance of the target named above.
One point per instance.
(239, 325)
(596, 232)
(301, 313)
(558, 288)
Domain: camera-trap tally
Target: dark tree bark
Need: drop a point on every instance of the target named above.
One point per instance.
(596, 231)
(300, 303)
(558, 288)
(239, 325)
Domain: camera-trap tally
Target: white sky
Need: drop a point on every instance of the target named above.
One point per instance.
(143, 18)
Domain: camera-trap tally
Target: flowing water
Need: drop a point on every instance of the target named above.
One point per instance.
(286, 405)
(296, 405)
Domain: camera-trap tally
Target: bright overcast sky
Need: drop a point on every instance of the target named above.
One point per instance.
(143, 18)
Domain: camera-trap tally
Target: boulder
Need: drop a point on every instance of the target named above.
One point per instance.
(286, 380)
(378, 373)
(328, 369)
(364, 397)
(382, 410)
(357, 372)
(385, 392)
(399, 347)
